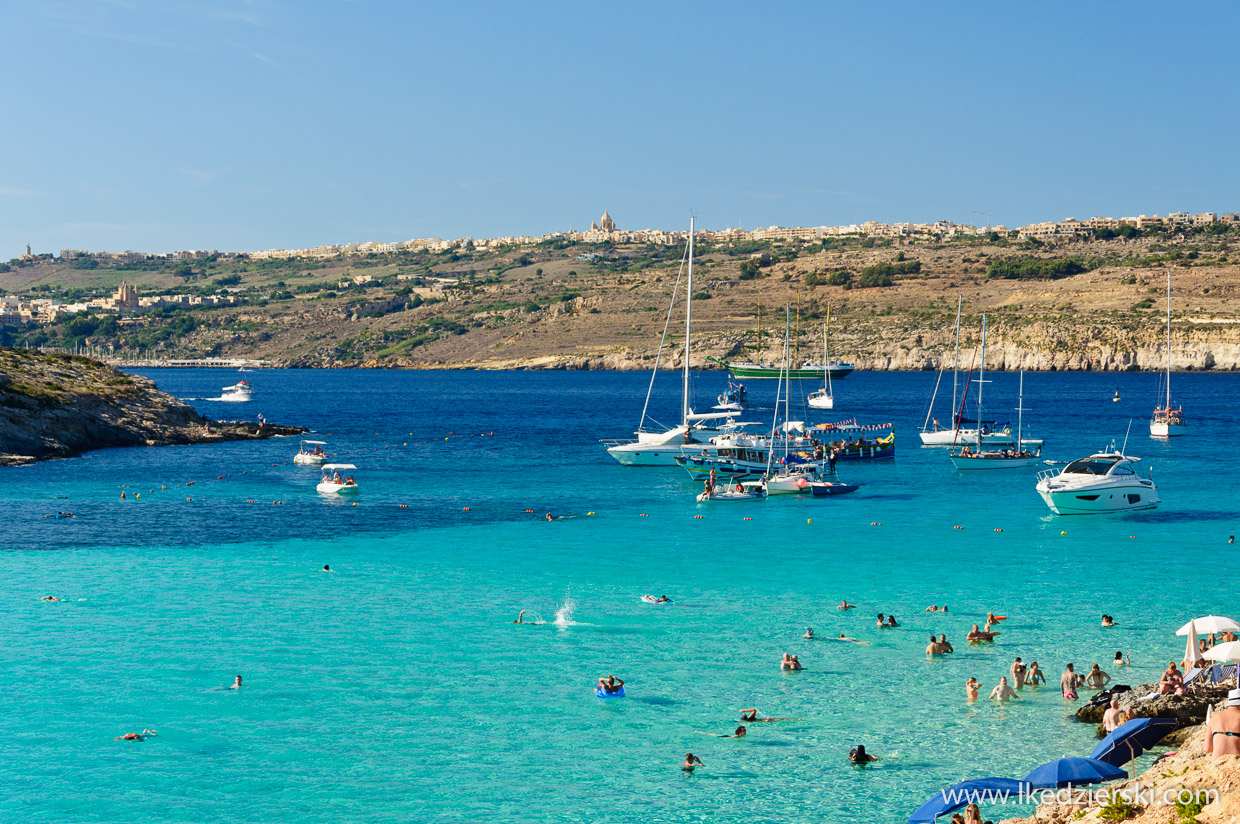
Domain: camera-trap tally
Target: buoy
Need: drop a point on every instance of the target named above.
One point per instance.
(698, 517)
(163, 487)
(466, 509)
(589, 513)
(998, 530)
(122, 494)
(1064, 532)
(957, 527)
(529, 510)
(189, 499)
(191, 483)
(137, 494)
(749, 519)
(403, 506)
(641, 515)
(809, 520)
(219, 477)
(1132, 536)
(355, 503)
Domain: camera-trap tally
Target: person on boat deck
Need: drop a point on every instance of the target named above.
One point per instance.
(336, 477)
(349, 481)
(740, 487)
(1223, 733)
(966, 451)
(610, 684)
(710, 485)
(688, 436)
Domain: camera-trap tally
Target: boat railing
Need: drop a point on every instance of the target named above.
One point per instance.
(1048, 474)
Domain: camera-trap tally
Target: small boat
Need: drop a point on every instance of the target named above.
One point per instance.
(1103, 482)
(734, 399)
(239, 392)
(1167, 422)
(333, 483)
(1016, 457)
(823, 489)
(792, 479)
(1116, 398)
(823, 398)
(741, 491)
(311, 453)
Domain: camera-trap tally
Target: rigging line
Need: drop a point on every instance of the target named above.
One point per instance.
(666, 325)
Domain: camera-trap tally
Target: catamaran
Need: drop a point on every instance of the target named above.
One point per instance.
(1167, 422)
(654, 447)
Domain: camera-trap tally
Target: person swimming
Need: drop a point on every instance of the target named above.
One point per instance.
(845, 605)
(520, 617)
(326, 568)
(611, 684)
(809, 632)
(135, 736)
(236, 685)
(691, 762)
(49, 598)
(740, 733)
(858, 755)
(750, 716)
(843, 637)
(549, 517)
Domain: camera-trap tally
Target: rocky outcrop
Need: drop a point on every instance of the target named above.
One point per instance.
(1188, 710)
(58, 406)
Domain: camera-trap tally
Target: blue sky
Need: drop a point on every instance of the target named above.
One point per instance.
(168, 124)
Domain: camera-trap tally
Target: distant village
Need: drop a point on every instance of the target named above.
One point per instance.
(15, 309)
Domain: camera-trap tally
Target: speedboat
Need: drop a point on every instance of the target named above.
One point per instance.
(311, 453)
(740, 491)
(734, 398)
(823, 489)
(1102, 482)
(663, 448)
(334, 483)
(239, 392)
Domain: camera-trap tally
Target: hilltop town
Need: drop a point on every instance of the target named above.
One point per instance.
(1074, 294)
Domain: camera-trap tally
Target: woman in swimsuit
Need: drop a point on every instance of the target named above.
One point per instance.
(740, 733)
(858, 755)
(1035, 676)
(751, 716)
(845, 605)
(1121, 660)
(972, 688)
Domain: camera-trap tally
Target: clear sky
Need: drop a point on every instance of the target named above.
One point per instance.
(157, 125)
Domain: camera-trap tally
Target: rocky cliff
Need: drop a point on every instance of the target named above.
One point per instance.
(57, 406)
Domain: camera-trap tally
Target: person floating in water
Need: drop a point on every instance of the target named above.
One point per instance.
(135, 736)
(845, 605)
(740, 733)
(858, 755)
(49, 598)
(751, 716)
(611, 684)
(843, 637)
(663, 599)
(236, 685)
(809, 633)
(691, 762)
(327, 568)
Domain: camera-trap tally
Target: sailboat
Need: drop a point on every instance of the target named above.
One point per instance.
(1167, 422)
(824, 398)
(1011, 458)
(654, 447)
(809, 370)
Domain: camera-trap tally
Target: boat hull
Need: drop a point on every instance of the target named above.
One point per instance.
(309, 460)
(966, 464)
(825, 489)
(1099, 500)
(1163, 429)
(949, 437)
(329, 488)
(821, 402)
(775, 373)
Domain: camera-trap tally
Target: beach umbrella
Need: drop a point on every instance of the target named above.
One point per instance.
(1224, 652)
(973, 791)
(1209, 625)
(1132, 738)
(1073, 772)
(1192, 654)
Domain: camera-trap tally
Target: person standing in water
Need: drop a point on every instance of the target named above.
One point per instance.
(1003, 692)
(691, 762)
(236, 685)
(1097, 678)
(1068, 683)
(1018, 671)
(972, 688)
(1035, 676)
(858, 755)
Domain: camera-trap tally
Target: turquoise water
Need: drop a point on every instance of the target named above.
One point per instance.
(394, 688)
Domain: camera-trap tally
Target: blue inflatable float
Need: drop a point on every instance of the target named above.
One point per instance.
(602, 693)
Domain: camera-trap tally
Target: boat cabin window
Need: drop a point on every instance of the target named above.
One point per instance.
(1122, 469)
(1089, 466)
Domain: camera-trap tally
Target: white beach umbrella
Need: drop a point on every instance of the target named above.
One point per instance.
(1224, 652)
(1209, 625)
(1192, 654)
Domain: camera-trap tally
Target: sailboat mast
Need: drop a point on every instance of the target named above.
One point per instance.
(1167, 408)
(1020, 410)
(956, 365)
(688, 322)
(758, 353)
(981, 380)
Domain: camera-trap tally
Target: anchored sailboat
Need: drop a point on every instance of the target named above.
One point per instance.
(1167, 422)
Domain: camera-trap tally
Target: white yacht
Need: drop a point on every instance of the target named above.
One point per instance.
(1166, 422)
(239, 392)
(1103, 482)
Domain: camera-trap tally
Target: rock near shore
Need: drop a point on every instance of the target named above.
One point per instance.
(58, 406)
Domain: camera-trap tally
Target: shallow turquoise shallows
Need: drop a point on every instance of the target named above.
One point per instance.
(395, 688)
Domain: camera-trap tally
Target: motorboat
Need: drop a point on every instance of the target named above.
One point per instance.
(792, 479)
(1103, 482)
(333, 483)
(1014, 457)
(823, 489)
(1166, 422)
(239, 392)
(733, 399)
(311, 453)
(740, 491)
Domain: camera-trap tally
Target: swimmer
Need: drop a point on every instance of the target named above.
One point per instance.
(891, 621)
(1121, 660)
(882, 621)
(991, 618)
(933, 608)
(548, 517)
(809, 632)
(326, 568)
(1108, 621)
(520, 617)
(751, 716)
(1003, 692)
(135, 736)
(945, 644)
(933, 647)
(858, 755)
(843, 637)
(691, 762)
(49, 598)
(790, 662)
(611, 684)
(972, 688)
(976, 635)
(236, 685)
(740, 733)
(845, 605)
(663, 599)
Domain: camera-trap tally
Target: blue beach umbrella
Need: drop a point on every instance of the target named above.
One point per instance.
(973, 791)
(1132, 738)
(1073, 772)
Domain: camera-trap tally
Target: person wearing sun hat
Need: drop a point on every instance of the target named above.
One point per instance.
(1223, 731)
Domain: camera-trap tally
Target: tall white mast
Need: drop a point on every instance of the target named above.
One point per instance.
(1167, 407)
(688, 322)
(1020, 411)
(956, 365)
(981, 380)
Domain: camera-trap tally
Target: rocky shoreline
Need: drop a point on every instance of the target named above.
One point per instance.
(59, 406)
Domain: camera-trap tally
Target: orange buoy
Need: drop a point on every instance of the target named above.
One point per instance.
(466, 509)
(122, 494)
(998, 530)
(191, 483)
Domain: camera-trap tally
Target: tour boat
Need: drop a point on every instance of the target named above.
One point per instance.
(1103, 482)
(1016, 457)
(809, 370)
(239, 392)
(312, 456)
(335, 484)
(1167, 422)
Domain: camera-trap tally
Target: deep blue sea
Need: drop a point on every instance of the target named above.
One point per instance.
(395, 688)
